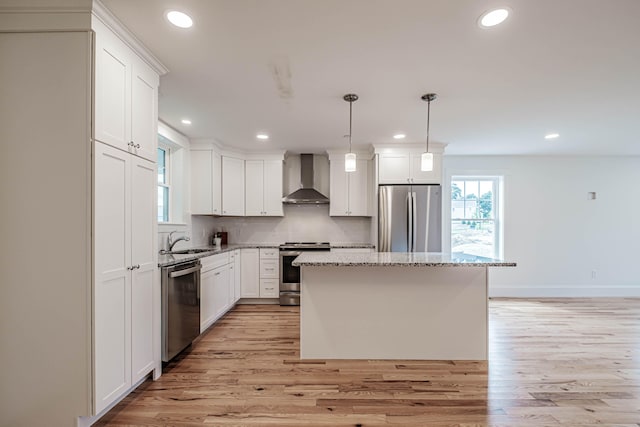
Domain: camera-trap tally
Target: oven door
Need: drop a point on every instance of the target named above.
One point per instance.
(289, 275)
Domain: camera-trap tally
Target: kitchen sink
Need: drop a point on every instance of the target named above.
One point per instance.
(188, 251)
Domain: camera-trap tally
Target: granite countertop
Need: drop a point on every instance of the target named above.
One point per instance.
(398, 259)
(171, 259)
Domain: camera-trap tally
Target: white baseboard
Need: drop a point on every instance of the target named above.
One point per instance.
(562, 292)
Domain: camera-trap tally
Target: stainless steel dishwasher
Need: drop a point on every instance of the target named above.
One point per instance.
(180, 307)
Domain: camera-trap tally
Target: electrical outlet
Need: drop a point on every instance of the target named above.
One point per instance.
(593, 274)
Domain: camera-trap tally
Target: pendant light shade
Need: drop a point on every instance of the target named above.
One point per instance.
(350, 158)
(426, 164)
(350, 162)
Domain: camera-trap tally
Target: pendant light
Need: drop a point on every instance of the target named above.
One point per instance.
(426, 163)
(350, 158)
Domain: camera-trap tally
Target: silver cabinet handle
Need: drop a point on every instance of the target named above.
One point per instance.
(217, 274)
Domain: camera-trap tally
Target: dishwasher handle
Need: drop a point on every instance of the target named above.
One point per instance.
(184, 272)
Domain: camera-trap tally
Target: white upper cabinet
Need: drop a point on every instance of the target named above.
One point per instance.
(206, 186)
(126, 96)
(349, 191)
(402, 166)
(232, 186)
(263, 195)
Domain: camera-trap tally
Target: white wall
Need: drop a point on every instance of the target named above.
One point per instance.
(45, 224)
(556, 235)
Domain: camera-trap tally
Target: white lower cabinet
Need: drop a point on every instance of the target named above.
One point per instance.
(269, 273)
(125, 267)
(218, 286)
(234, 276)
(250, 273)
(260, 273)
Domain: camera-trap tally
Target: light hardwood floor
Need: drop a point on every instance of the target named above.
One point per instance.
(570, 362)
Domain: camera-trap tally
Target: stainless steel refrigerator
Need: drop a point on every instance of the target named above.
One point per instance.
(409, 218)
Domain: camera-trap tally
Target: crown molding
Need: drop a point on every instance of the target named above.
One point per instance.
(100, 11)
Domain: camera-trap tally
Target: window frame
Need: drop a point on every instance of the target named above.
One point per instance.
(167, 180)
(497, 208)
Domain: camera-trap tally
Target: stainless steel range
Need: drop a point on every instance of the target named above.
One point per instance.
(290, 275)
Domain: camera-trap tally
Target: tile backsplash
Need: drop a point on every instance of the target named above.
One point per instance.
(300, 223)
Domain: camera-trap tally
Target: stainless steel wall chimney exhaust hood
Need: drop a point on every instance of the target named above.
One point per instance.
(307, 194)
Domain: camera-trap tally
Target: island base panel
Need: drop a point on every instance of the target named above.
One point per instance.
(424, 313)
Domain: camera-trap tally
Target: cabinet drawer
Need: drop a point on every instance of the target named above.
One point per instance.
(269, 268)
(214, 261)
(269, 288)
(269, 253)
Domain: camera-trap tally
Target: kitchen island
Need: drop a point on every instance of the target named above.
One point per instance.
(394, 305)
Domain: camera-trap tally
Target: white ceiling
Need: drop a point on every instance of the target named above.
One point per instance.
(565, 66)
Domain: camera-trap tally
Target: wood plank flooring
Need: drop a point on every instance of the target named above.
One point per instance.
(569, 362)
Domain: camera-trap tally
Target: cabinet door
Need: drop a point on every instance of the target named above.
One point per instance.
(144, 110)
(254, 186)
(250, 267)
(221, 298)
(339, 188)
(207, 305)
(273, 188)
(234, 277)
(394, 168)
(143, 260)
(237, 271)
(201, 182)
(112, 292)
(216, 184)
(420, 177)
(232, 186)
(112, 89)
(359, 189)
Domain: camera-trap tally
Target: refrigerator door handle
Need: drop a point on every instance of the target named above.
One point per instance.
(384, 221)
(409, 223)
(413, 218)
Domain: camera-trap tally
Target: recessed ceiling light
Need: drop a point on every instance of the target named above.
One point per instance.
(551, 136)
(186, 121)
(492, 18)
(262, 136)
(399, 136)
(179, 19)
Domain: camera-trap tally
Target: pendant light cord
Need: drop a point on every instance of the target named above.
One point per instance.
(428, 97)
(428, 117)
(350, 122)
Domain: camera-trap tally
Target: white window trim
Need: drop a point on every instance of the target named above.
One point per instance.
(502, 177)
(178, 163)
(167, 173)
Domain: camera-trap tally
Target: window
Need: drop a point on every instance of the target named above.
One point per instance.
(164, 190)
(475, 216)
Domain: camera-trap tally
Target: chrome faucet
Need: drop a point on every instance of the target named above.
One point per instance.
(172, 242)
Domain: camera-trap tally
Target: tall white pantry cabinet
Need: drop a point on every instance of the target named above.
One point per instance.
(125, 206)
(80, 300)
